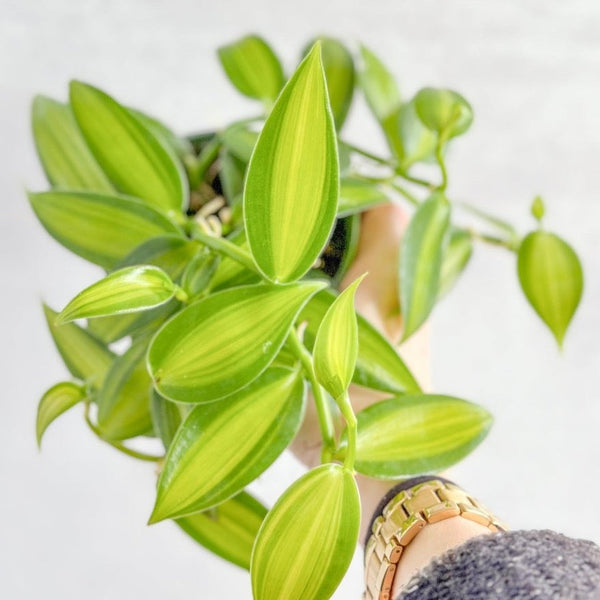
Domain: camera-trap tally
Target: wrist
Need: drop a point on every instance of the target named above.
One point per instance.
(412, 514)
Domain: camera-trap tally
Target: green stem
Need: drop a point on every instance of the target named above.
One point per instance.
(405, 193)
(323, 412)
(351, 427)
(417, 180)
(510, 244)
(369, 155)
(117, 445)
(197, 170)
(492, 220)
(440, 160)
(222, 245)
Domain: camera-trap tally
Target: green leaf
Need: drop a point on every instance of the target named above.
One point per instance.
(171, 253)
(336, 343)
(443, 111)
(253, 67)
(412, 435)
(378, 85)
(86, 357)
(166, 418)
(457, 254)
(338, 65)
(410, 140)
(135, 160)
(307, 540)
(420, 261)
(357, 196)
(180, 146)
(116, 327)
(57, 400)
(292, 184)
(240, 141)
(537, 208)
(223, 446)
(231, 176)
(124, 291)
(124, 399)
(228, 530)
(551, 278)
(221, 343)
(199, 272)
(66, 159)
(378, 365)
(100, 228)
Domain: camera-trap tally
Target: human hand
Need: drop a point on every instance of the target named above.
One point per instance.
(377, 300)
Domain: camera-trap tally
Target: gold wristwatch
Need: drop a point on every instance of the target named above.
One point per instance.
(401, 520)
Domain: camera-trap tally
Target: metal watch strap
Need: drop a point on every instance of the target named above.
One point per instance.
(403, 517)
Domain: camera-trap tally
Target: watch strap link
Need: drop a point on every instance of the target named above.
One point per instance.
(401, 520)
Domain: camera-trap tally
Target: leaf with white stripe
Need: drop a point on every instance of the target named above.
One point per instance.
(134, 158)
(86, 357)
(223, 446)
(340, 75)
(227, 530)
(124, 399)
(457, 254)
(378, 85)
(66, 159)
(357, 196)
(292, 184)
(166, 418)
(100, 228)
(253, 67)
(307, 540)
(378, 364)
(336, 343)
(220, 344)
(57, 400)
(411, 435)
(124, 291)
(421, 255)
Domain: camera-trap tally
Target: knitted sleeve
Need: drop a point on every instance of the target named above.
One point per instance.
(516, 565)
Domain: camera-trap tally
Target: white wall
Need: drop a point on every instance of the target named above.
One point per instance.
(72, 520)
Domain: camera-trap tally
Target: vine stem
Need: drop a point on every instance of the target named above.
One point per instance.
(511, 244)
(405, 193)
(417, 180)
(351, 427)
(222, 245)
(117, 445)
(323, 412)
(369, 155)
(440, 160)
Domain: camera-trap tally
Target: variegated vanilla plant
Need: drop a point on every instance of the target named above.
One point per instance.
(221, 255)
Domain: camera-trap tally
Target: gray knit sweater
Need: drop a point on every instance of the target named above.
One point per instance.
(517, 565)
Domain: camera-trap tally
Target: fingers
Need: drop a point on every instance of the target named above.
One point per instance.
(377, 296)
(377, 299)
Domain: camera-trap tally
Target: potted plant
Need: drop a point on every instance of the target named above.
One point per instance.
(217, 318)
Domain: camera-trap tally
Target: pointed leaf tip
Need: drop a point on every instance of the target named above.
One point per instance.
(127, 290)
(336, 343)
(292, 185)
(57, 400)
(551, 278)
(215, 453)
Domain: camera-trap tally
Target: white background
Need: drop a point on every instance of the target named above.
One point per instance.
(72, 520)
